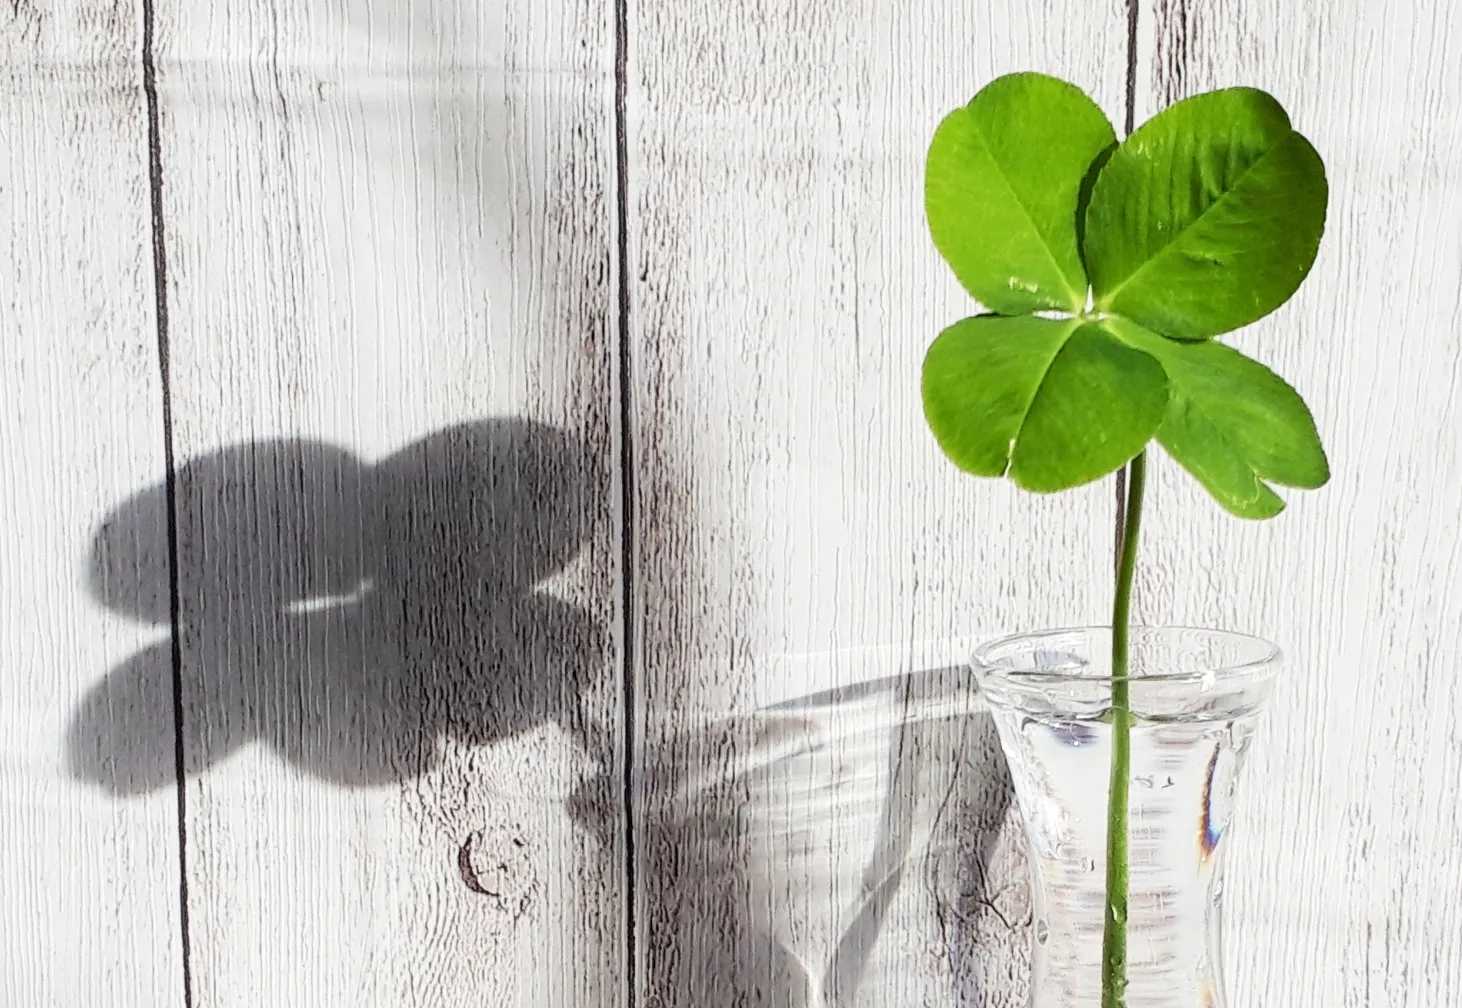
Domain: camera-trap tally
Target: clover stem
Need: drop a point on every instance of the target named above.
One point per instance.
(1114, 927)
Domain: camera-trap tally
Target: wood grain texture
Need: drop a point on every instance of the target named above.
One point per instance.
(1346, 876)
(88, 879)
(789, 500)
(390, 234)
(391, 278)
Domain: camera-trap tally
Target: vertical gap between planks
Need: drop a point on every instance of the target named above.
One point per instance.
(160, 308)
(628, 651)
(1134, 10)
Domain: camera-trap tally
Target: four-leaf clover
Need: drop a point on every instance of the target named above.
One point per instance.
(1109, 268)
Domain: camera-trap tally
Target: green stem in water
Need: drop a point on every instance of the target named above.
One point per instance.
(1114, 927)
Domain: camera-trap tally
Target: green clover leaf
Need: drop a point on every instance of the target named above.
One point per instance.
(1204, 220)
(1056, 403)
(1002, 188)
(1207, 218)
(1232, 422)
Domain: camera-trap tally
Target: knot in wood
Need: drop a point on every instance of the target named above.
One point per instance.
(498, 862)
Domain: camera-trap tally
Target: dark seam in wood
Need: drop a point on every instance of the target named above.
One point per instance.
(1182, 27)
(278, 75)
(160, 303)
(627, 491)
(1134, 10)
(1118, 533)
(1173, 42)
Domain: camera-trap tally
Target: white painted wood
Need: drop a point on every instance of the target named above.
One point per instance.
(788, 495)
(390, 245)
(390, 232)
(88, 877)
(1347, 874)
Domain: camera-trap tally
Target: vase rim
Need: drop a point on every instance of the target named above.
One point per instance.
(1262, 658)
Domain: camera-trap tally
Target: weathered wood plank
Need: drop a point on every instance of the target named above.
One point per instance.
(89, 876)
(1346, 876)
(788, 498)
(391, 241)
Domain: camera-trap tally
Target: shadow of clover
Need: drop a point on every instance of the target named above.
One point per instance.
(354, 618)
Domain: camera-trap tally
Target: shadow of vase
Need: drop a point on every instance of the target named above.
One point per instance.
(850, 849)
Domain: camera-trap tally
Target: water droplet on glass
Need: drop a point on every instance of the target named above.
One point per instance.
(1043, 931)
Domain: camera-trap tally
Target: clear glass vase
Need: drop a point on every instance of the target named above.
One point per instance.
(1196, 697)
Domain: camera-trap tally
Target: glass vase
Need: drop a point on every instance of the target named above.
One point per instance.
(1196, 698)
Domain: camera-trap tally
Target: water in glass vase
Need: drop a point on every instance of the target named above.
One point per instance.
(1196, 697)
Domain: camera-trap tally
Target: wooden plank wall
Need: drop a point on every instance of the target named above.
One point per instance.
(540, 382)
(1348, 869)
(390, 234)
(790, 502)
(89, 909)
